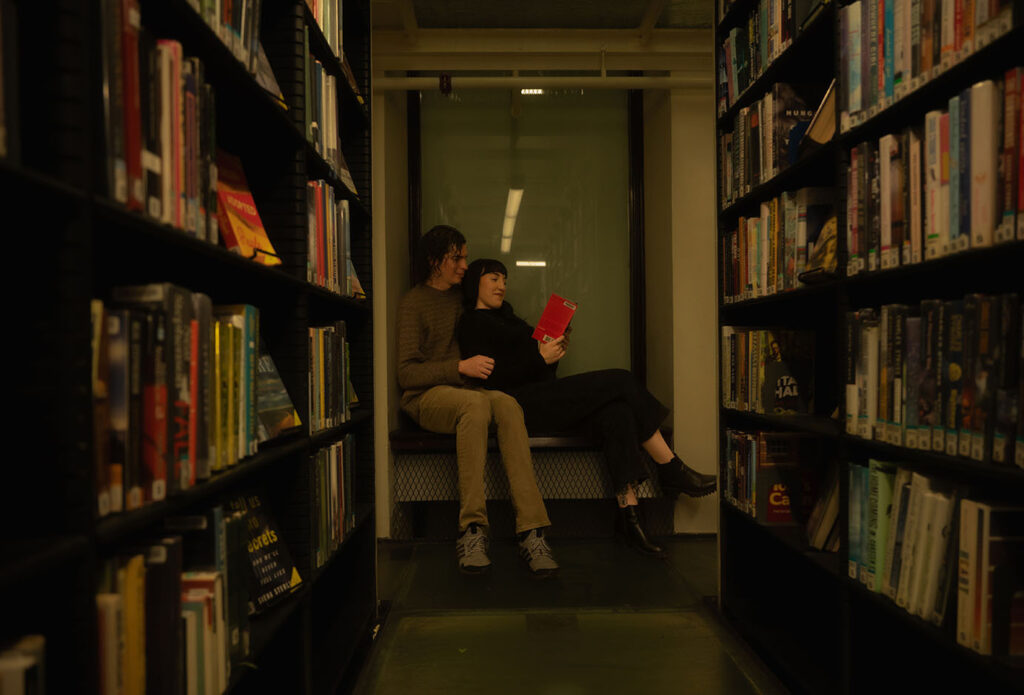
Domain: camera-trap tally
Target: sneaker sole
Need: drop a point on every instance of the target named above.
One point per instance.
(474, 570)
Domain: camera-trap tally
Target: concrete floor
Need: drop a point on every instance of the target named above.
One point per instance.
(613, 621)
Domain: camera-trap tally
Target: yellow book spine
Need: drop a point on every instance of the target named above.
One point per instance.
(219, 400)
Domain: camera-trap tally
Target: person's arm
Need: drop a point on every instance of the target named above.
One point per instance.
(508, 340)
(414, 369)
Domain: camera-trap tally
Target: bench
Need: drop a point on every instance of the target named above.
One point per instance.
(568, 465)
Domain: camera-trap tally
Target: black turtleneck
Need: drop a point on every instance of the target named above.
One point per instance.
(500, 334)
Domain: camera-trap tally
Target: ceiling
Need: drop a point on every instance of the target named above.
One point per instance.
(542, 14)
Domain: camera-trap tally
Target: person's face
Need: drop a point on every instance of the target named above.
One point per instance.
(492, 291)
(453, 267)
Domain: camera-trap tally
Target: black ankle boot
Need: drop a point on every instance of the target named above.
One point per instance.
(676, 477)
(633, 532)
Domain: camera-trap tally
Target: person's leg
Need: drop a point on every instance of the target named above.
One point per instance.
(630, 526)
(515, 456)
(467, 414)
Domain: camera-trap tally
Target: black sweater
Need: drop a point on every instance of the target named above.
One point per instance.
(500, 334)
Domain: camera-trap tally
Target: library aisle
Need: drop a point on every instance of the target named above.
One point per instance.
(613, 621)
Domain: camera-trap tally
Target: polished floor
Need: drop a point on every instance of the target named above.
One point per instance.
(613, 621)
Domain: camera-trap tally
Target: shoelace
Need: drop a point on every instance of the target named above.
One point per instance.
(476, 542)
(538, 546)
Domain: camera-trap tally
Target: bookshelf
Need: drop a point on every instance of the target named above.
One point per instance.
(820, 629)
(74, 241)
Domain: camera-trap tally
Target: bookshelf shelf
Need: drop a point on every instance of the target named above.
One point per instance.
(819, 29)
(27, 559)
(935, 92)
(790, 536)
(737, 11)
(932, 461)
(1007, 670)
(733, 311)
(810, 170)
(811, 424)
(360, 418)
(320, 168)
(119, 527)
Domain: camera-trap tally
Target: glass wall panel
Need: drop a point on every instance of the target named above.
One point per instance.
(540, 182)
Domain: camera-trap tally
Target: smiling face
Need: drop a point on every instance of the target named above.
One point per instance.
(492, 291)
(449, 273)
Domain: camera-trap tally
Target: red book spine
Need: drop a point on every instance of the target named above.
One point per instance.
(132, 110)
(193, 410)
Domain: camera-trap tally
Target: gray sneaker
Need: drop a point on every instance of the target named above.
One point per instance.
(536, 552)
(471, 549)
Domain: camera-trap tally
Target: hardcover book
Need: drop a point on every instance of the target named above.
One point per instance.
(555, 320)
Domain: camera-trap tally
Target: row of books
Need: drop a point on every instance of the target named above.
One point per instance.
(953, 185)
(888, 49)
(765, 255)
(174, 611)
(180, 392)
(333, 508)
(159, 124)
(767, 370)
(329, 261)
(322, 113)
(237, 23)
(764, 139)
(943, 376)
(767, 475)
(331, 395)
(23, 666)
(328, 16)
(748, 49)
(932, 550)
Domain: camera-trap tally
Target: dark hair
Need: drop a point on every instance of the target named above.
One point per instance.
(471, 280)
(438, 242)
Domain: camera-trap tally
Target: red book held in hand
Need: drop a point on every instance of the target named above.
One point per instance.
(555, 319)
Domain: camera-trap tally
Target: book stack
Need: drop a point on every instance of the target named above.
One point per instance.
(888, 50)
(330, 390)
(159, 119)
(175, 392)
(946, 186)
(768, 370)
(764, 139)
(765, 255)
(943, 376)
(333, 510)
(770, 476)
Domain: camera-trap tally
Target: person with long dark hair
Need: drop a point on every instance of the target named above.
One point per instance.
(440, 392)
(611, 403)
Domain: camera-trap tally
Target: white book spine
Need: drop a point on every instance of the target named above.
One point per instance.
(985, 112)
(966, 560)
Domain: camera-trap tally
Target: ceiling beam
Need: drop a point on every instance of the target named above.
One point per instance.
(409, 23)
(541, 49)
(650, 18)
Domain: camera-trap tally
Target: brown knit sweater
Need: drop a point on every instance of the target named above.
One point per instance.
(428, 352)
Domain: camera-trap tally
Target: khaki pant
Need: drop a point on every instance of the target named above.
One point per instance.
(468, 413)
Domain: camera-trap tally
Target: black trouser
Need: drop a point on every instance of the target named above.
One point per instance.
(610, 403)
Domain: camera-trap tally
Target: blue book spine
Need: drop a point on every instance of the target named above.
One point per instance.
(964, 177)
(853, 39)
(890, 46)
(954, 172)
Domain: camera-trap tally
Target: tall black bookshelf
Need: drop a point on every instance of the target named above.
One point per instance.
(73, 242)
(819, 629)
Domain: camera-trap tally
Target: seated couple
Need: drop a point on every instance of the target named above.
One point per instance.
(465, 361)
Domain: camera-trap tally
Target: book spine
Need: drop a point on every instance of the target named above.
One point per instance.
(952, 372)
(912, 382)
(954, 173)
(969, 387)
(131, 25)
(1010, 154)
(1008, 379)
(964, 179)
(985, 362)
(985, 113)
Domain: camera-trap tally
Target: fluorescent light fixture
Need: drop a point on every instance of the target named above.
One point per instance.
(506, 244)
(507, 227)
(531, 264)
(515, 197)
(531, 91)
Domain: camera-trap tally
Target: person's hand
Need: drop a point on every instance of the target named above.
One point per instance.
(477, 366)
(552, 351)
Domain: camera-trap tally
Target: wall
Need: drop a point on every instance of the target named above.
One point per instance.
(391, 262)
